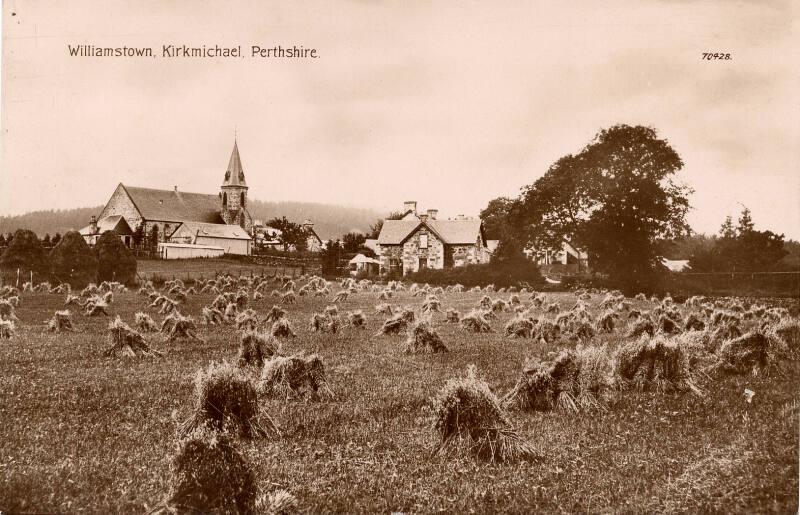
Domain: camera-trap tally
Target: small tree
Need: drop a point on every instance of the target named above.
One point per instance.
(2, 240)
(292, 234)
(352, 241)
(46, 240)
(153, 243)
(139, 235)
(56, 238)
(24, 253)
(115, 261)
(331, 255)
(72, 261)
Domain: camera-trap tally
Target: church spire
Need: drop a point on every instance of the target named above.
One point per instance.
(234, 176)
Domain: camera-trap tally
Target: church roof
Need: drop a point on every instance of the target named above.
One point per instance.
(234, 175)
(174, 205)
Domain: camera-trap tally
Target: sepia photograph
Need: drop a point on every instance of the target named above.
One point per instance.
(283, 257)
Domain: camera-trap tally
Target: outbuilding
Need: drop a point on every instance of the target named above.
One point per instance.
(188, 251)
(231, 238)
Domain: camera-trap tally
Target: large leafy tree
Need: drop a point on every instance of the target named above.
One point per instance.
(616, 198)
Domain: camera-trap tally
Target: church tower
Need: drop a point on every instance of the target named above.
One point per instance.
(233, 193)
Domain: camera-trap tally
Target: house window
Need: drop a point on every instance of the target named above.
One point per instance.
(423, 263)
(394, 263)
(423, 241)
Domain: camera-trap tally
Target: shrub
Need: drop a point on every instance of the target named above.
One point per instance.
(26, 254)
(72, 261)
(115, 261)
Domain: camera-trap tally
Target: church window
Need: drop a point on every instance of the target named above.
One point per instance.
(224, 200)
(227, 175)
(242, 199)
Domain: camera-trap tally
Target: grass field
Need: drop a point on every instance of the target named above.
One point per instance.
(83, 433)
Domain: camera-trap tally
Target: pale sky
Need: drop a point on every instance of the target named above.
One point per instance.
(447, 103)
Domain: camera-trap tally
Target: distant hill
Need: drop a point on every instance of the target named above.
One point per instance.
(330, 221)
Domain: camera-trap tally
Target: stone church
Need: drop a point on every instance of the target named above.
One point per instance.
(169, 209)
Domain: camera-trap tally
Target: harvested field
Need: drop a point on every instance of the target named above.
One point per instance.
(84, 432)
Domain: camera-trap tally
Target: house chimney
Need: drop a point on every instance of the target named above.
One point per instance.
(423, 218)
(93, 224)
(432, 213)
(410, 205)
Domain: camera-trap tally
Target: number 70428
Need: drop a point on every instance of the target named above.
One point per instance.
(709, 56)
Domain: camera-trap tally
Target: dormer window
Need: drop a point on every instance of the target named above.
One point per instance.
(227, 175)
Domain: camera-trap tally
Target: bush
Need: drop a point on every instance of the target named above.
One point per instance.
(26, 254)
(72, 261)
(115, 261)
(501, 274)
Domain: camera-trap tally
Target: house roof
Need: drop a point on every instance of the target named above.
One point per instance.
(234, 175)
(174, 205)
(361, 258)
(676, 265)
(109, 223)
(231, 232)
(452, 232)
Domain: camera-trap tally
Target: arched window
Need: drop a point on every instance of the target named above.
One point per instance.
(224, 199)
(242, 200)
(227, 175)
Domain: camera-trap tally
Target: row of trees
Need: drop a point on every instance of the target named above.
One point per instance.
(71, 260)
(738, 247)
(47, 240)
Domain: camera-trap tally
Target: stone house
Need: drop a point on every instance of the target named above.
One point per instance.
(168, 209)
(421, 241)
